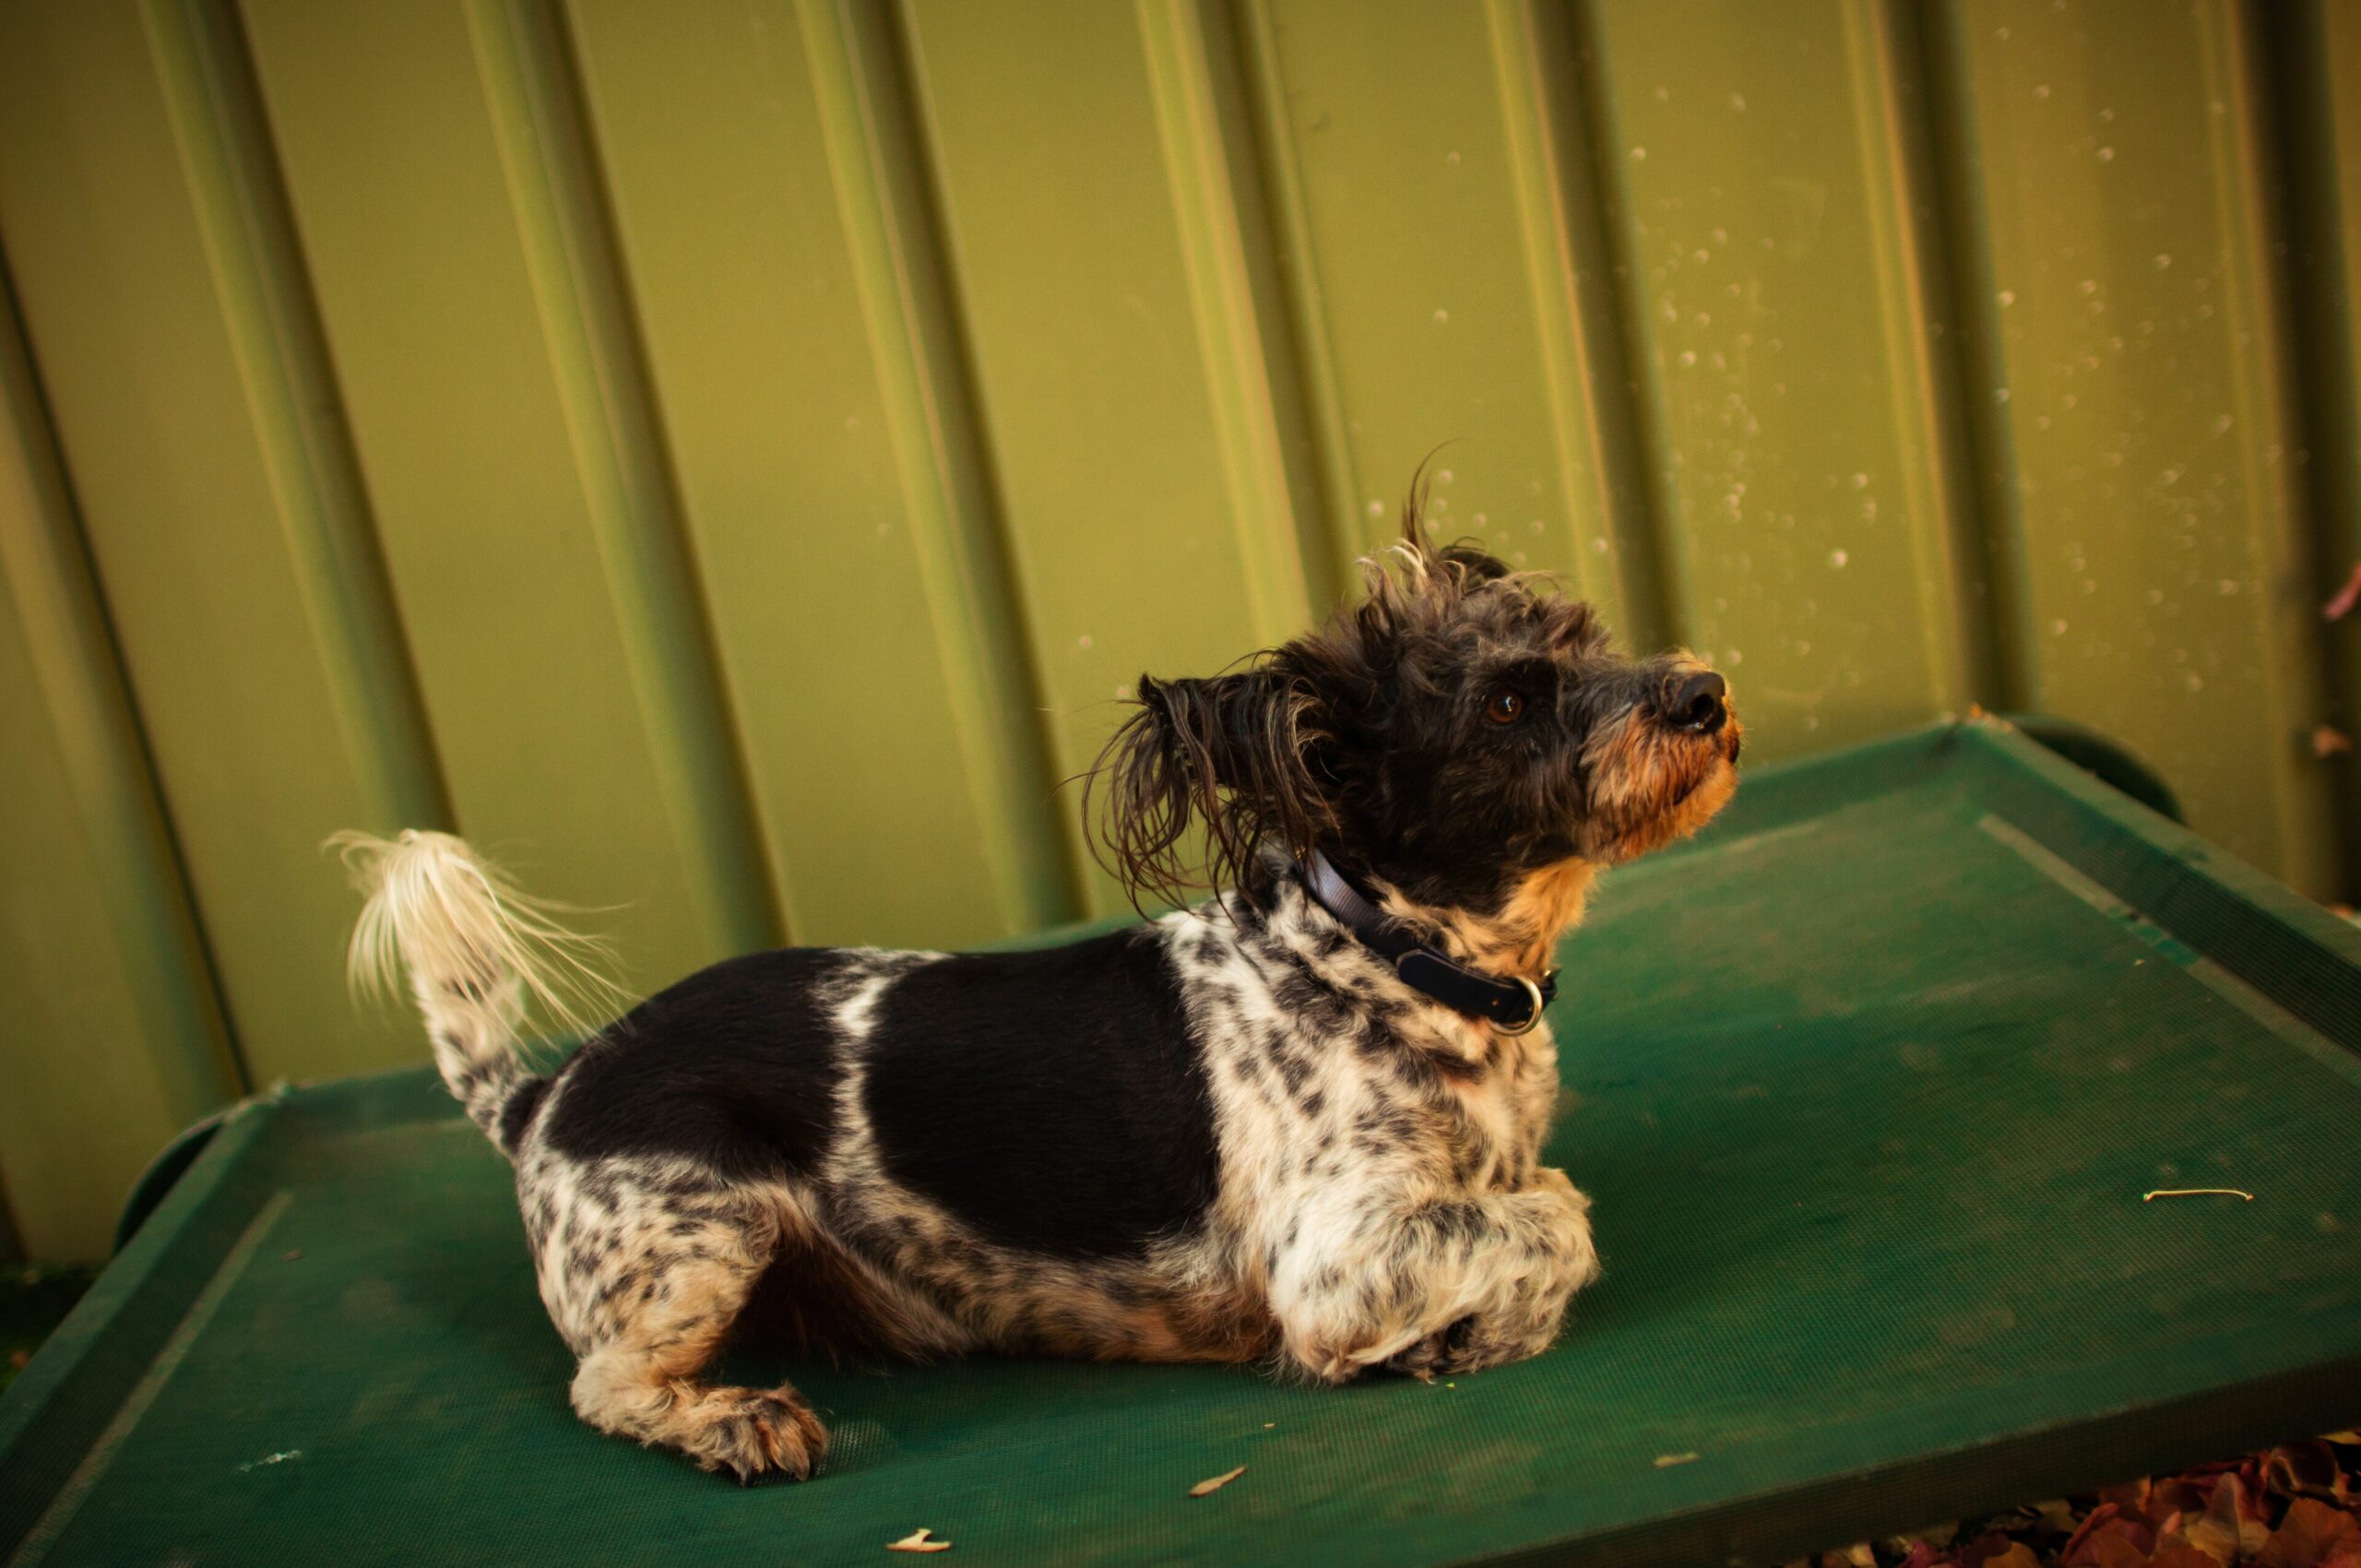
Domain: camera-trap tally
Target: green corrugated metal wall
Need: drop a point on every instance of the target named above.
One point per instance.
(728, 457)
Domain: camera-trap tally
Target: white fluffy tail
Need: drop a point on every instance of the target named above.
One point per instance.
(477, 949)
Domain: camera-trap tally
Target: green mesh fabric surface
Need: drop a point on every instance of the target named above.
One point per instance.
(1867, 1084)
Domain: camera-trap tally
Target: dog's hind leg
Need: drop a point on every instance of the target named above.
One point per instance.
(647, 1280)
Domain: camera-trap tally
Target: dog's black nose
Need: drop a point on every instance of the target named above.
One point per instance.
(1700, 703)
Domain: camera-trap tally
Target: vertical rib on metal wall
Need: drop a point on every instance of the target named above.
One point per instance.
(106, 998)
(735, 458)
(200, 428)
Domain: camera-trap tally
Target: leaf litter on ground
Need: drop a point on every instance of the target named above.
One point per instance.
(2296, 1506)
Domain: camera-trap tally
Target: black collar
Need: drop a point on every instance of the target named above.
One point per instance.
(1511, 1005)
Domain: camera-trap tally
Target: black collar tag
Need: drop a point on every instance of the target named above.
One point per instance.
(1513, 1006)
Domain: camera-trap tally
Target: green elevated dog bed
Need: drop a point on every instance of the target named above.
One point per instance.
(1867, 1085)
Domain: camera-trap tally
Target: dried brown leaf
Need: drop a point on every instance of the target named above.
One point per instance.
(2215, 1532)
(2109, 1549)
(2310, 1534)
(2305, 1469)
(1213, 1484)
(2181, 1555)
(1989, 1548)
(2131, 1497)
(1935, 1536)
(2056, 1515)
(2070, 1553)
(918, 1540)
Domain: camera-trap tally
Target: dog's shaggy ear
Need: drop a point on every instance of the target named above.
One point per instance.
(1230, 753)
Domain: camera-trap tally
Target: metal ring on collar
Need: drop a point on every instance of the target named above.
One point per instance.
(1533, 1020)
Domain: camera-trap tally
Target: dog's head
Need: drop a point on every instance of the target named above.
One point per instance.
(1461, 737)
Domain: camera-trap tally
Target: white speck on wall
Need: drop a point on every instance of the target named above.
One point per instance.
(1441, 317)
(1861, 482)
(1639, 155)
(2164, 259)
(2106, 155)
(2221, 425)
(1737, 103)
(2008, 297)
(1377, 508)
(2057, 628)
(1837, 558)
(1477, 519)
(1453, 158)
(1442, 475)
(2042, 91)
(2227, 587)
(1083, 642)
(1688, 356)
(2000, 394)
(1599, 544)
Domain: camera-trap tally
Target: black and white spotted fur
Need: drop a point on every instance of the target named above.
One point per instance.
(1232, 1134)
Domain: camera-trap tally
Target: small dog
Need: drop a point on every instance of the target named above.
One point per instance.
(1298, 1122)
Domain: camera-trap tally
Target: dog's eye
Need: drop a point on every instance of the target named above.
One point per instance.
(1504, 707)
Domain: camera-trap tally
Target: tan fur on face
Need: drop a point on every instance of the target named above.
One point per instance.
(1653, 786)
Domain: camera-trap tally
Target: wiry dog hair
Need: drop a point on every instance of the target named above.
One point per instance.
(1232, 1134)
(1345, 738)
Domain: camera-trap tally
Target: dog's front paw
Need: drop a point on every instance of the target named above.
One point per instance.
(1442, 1351)
(1477, 1341)
(756, 1435)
